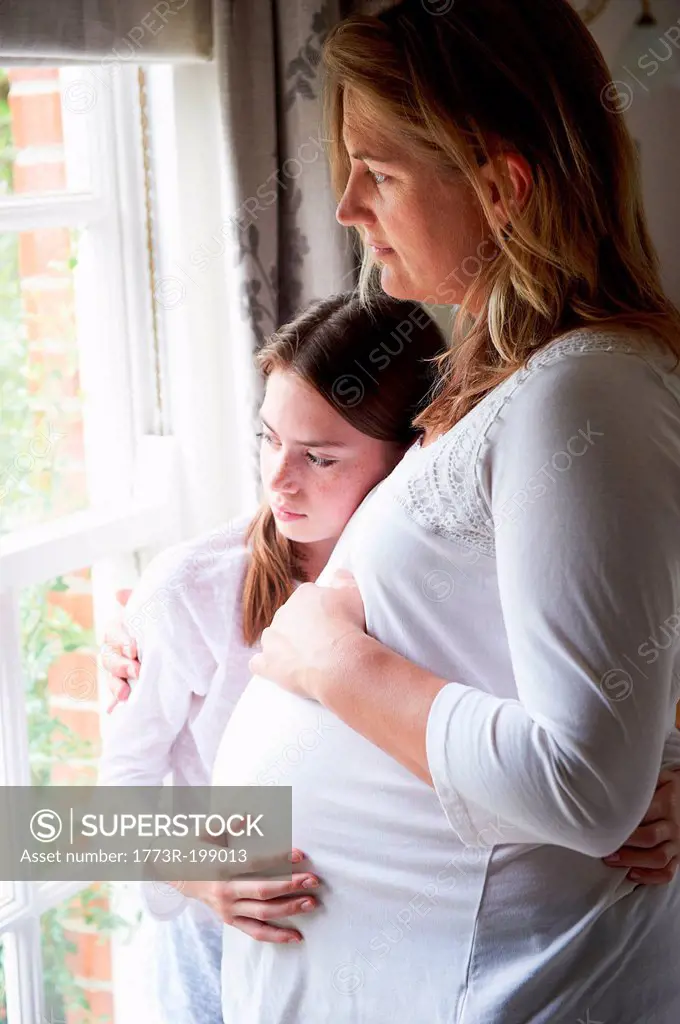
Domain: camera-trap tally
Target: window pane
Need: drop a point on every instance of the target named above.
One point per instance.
(43, 134)
(76, 940)
(42, 468)
(3, 999)
(60, 673)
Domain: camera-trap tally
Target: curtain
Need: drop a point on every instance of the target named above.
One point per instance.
(288, 248)
(62, 31)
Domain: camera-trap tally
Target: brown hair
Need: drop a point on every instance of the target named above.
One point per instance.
(460, 87)
(375, 363)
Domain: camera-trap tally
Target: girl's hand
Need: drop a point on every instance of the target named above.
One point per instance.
(248, 904)
(653, 850)
(119, 654)
(304, 632)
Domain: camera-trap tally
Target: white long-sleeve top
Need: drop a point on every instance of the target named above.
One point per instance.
(531, 555)
(185, 614)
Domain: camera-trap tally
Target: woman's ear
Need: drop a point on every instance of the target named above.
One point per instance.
(519, 178)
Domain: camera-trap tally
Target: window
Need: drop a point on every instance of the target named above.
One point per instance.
(84, 481)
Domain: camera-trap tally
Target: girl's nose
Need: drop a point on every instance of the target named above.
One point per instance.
(283, 478)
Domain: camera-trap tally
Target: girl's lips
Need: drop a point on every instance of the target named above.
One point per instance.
(285, 516)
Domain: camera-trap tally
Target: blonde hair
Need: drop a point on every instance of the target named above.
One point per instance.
(328, 347)
(459, 88)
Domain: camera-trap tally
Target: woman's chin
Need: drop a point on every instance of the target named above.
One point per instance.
(398, 288)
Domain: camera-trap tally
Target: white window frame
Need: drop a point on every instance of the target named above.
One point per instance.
(119, 381)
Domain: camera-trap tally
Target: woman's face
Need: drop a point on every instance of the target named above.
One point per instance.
(431, 224)
(313, 462)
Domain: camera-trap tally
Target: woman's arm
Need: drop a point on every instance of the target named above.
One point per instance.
(588, 571)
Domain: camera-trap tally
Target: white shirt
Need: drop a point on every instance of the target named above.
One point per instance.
(186, 616)
(532, 556)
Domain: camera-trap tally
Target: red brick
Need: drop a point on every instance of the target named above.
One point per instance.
(78, 606)
(44, 251)
(34, 74)
(84, 723)
(39, 177)
(101, 1007)
(92, 959)
(36, 119)
(71, 674)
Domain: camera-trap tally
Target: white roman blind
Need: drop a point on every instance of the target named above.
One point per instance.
(61, 31)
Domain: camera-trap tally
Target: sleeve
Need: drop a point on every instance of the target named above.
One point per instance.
(137, 737)
(581, 477)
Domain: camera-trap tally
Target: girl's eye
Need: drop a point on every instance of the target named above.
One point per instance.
(265, 437)
(317, 460)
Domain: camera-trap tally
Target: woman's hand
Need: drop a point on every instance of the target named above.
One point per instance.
(248, 904)
(119, 653)
(305, 632)
(653, 851)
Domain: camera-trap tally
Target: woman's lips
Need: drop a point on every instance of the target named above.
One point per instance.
(380, 250)
(285, 516)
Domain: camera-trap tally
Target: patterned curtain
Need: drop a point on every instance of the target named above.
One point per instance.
(288, 247)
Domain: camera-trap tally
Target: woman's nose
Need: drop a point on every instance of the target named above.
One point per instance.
(350, 210)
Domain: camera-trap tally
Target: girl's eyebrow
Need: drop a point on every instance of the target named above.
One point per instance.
(310, 444)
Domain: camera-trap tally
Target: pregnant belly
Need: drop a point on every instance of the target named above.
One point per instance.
(353, 805)
(393, 899)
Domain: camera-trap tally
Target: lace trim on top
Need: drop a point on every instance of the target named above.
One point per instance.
(442, 493)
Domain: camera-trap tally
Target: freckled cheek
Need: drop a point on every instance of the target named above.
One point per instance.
(352, 488)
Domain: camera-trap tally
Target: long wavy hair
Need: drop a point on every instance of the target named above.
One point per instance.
(375, 363)
(459, 87)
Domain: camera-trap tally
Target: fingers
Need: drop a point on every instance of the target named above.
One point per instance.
(342, 578)
(663, 802)
(261, 869)
(119, 689)
(247, 889)
(660, 876)
(265, 932)
(120, 668)
(656, 859)
(269, 910)
(647, 836)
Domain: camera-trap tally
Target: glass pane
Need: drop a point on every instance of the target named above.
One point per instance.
(3, 999)
(43, 135)
(60, 673)
(76, 938)
(42, 463)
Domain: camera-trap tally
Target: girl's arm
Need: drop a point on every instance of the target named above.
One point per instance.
(137, 738)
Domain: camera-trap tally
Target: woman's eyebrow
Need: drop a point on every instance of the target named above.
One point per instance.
(373, 158)
(310, 444)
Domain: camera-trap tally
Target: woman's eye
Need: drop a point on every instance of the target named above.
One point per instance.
(317, 460)
(378, 178)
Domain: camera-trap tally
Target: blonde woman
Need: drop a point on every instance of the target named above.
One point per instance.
(499, 683)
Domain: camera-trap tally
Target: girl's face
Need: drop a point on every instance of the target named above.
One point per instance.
(430, 226)
(316, 467)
